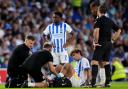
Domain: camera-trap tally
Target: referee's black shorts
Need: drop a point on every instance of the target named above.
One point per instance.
(102, 53)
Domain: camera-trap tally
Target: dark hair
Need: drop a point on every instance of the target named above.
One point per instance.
(58, 13)
(30, 37)
(93, 4)
(102, 9)
(47, 45)
(76, 51)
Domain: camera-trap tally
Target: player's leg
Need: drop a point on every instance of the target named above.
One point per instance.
(58, 68)
(64, 58)
(39, 80)
(55, 59)
(101, 73)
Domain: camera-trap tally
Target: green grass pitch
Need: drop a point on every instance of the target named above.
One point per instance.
(115, 85)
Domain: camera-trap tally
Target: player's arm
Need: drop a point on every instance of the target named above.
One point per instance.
(42, 27)
(87, 72)
(116, 35)
(71, 37)
(45, 38)
(52, 68)
(45, 34)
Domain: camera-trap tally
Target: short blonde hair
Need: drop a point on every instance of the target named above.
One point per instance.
(68, 67)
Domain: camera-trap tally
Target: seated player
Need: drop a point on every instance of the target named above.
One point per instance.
(81, 66)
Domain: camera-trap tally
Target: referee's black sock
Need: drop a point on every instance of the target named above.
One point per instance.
(107, 73)
(94, 74)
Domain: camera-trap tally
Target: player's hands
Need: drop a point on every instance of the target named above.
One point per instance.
(95, 45)
(65, 45)
(53, 76)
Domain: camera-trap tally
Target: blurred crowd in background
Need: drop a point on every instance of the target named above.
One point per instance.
(21, 17)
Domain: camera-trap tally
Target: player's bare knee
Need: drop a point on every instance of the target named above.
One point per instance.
(58, 68)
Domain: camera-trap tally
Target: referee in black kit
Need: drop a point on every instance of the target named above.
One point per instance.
(20, 53)
(103, 43)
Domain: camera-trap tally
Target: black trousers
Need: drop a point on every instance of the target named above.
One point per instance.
(15, 82)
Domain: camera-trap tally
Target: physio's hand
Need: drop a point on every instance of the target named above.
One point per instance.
(60, 75)
(112, 41)
(51, 77)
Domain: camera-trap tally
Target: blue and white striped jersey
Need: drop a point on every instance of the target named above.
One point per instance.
(58, 35)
